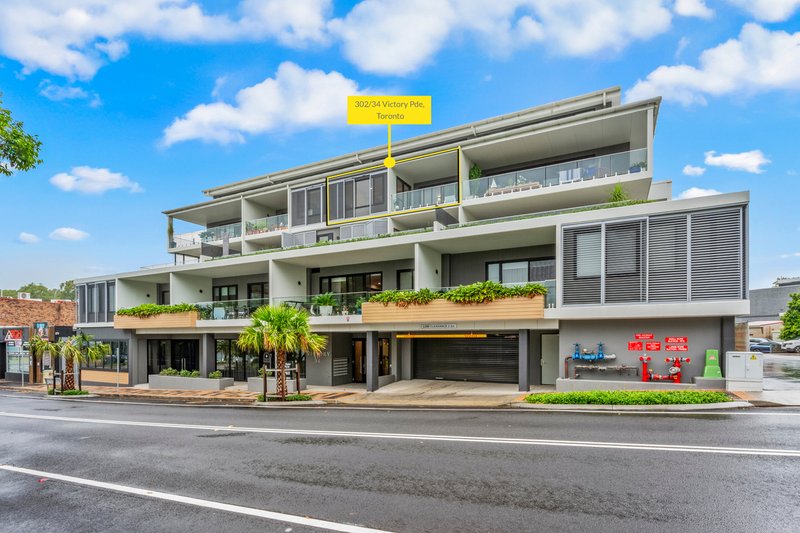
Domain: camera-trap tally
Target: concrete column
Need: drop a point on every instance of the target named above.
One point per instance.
(372, 361)
(286, 280)
(208, 356)
(427, 267)
(524, 360)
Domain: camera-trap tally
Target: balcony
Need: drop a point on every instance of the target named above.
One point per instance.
(267, 225)
(427, 197)
(622, 163)
(230, 309)
(345, 304)
(208, 235)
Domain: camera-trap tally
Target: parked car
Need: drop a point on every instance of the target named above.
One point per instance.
(764, 345)
(791, 346)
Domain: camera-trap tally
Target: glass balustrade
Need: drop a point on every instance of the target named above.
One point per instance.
(427, 197)
(230, 309)
(555, 175)
(267, 224)
(340, 304)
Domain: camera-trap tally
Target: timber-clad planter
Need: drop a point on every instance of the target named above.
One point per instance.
(186, 319)
(440, 310)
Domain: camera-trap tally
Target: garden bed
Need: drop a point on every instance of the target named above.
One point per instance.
(184, 383)
(629, 397)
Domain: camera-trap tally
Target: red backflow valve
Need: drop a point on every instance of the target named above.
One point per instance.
(673, 373)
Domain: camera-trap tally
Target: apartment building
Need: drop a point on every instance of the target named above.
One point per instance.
(531, 196)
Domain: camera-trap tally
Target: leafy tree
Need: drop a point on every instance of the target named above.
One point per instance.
(281, 329)
(65, 291)
(18, 150)
(791, 318)
(37, 290)
(77, 350)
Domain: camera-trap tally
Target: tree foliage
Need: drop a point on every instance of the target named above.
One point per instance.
(791, 318)
(65, 291)
(18, 150)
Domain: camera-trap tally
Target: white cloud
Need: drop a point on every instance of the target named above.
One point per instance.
(769, 10)
(27, 238)
(693, 8)
(757, 61)
(690, 170)
(58, 93)
(751, 161)
(219, 83)
(90, 180)
(68, 234)
(74, 39)
(294, 99)
(697, 192)
(787, 256)
(371, 40)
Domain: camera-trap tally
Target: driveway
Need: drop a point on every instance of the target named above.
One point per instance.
(781, 371)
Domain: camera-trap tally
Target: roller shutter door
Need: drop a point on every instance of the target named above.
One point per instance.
(493, 359)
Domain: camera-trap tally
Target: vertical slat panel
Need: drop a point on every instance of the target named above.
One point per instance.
(716, 265)
(668, 270)
(581, 252)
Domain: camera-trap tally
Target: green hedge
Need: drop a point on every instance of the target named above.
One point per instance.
(476, 293)
(73, 392)
(146, 310)
(629, 397)
(180, 373)
(289, 398)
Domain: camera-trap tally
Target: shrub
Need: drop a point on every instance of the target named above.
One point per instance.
(289, 398)
(324, 299)
(629, 397)
(146, 310)
(168, 372)
(216, 374)
(74, 392)
(270, 373)
(189, 373)
(481, 292)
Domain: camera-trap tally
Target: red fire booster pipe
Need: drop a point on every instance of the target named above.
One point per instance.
(674, 372)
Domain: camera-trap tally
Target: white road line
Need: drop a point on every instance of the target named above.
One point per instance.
(250, 511)
(340, 407)
(426, 437)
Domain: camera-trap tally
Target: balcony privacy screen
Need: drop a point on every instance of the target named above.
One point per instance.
(685, 257)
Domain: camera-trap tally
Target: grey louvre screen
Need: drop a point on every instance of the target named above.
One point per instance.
(716, 261)
(668, 256)
(581, 249)
(625, 261)
(494, 359)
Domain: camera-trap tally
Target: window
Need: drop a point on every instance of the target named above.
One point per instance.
(372, 282)
(307, 205)
(163, 297)
(405, 280)
(357, 196)
(111, 298)
(225, 293)
(521, 271)
(258, 291)
(587, 247)
(109, 362)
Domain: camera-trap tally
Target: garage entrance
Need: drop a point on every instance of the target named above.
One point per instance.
(492, 359)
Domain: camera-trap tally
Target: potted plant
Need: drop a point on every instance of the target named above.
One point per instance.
(324, 303)
(476, 188)
(359, 301)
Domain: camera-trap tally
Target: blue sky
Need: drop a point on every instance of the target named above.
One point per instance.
(141, 106)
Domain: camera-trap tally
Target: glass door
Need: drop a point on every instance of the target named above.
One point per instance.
(359, 361)
(186, 355)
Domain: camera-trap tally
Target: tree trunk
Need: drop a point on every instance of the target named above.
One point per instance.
(280, 374)
(80, 376)
(69, 379)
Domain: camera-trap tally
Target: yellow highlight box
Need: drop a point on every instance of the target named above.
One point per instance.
(388, 109)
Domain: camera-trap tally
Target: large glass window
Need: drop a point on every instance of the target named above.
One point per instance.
(109, 362)
(358, 196)
(308, 205)
(371, 282)
(111, 298)
(225, 293)
(258, 291)
(405, 280)
(521, 271)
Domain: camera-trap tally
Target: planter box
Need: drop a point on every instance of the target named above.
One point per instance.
(256, 384)
(517, 308)
(158, 381)
(187, 319)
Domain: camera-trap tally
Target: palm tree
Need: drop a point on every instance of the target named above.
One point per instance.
(78, 350)
(281, 329)
(38, 346)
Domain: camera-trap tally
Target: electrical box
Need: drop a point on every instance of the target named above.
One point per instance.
(744, 371)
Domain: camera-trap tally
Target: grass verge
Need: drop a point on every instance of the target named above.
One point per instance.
(289, 398)
(629, 397)
(69, 392)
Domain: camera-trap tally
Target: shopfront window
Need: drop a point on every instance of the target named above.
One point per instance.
(109, 362)
(384, 358)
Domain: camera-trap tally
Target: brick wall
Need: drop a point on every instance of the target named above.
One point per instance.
(14, 312)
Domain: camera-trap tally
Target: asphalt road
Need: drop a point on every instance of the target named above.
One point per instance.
(396, 470)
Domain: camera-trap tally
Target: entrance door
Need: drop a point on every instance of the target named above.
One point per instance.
(186, 355)
(359, 361)
(549, 358)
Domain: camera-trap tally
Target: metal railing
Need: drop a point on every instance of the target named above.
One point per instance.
(427, 197)
(267, 224)
(347, 303)
(559, 174)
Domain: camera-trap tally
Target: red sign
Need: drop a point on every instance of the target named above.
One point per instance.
(676, 339)
(652, 346)
(644, 336)
(677, 348)
(634, 346)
